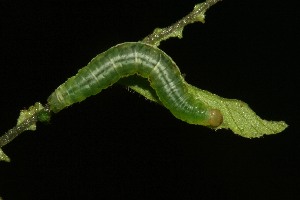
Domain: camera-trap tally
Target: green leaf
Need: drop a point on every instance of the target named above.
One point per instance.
(238, 116)
(3, 156)
(30, 112)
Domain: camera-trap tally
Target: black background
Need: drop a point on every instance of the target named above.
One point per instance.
(117, 145)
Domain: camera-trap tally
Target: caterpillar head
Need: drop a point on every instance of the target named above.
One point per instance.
(215, 118)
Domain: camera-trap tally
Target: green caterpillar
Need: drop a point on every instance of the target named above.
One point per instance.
(167, 87)
(144, 60)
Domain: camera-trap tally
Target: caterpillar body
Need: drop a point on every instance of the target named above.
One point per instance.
(168, 87)
(144, 60)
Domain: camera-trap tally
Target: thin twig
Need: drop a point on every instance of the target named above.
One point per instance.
(175, 30)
